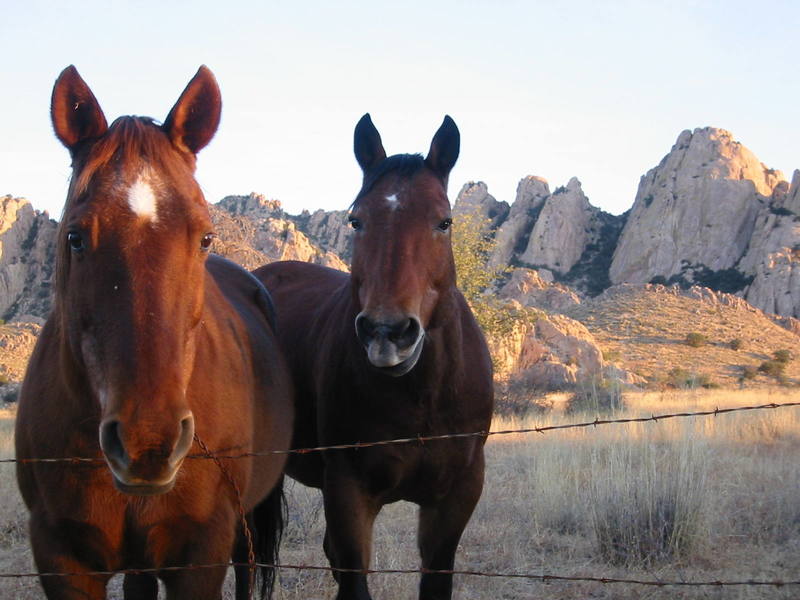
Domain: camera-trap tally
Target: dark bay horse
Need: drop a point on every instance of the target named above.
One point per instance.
(152, 348)
(389, 351)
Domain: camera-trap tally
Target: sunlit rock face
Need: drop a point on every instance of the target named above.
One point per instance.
(773, 256)
(253, 231)
(27, 260)
(475, 199)
(513, 235)
(696, 210)
(562, 230)
(711, 213)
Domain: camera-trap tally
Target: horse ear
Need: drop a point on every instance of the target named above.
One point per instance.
(74, 110)
(367, 144)
(444, 148)
(194, 119)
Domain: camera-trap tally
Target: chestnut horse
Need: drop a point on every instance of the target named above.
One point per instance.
(151, 345)
(390, 351)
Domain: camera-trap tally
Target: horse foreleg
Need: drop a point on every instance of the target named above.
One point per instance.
(53, 554)
(209, 546)
(349, 514)
(440, 529)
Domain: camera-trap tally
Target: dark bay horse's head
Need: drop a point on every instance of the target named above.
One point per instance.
(402, 257)
(131, 269)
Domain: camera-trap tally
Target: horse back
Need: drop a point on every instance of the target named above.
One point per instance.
(309, 300)
(273, 390)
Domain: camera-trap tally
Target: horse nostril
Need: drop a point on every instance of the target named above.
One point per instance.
(111, 442)
(365, 329)
(405, 333)
(399, 331)
(185, 440)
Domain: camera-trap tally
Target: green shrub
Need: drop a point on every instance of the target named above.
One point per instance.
(684, 379)
(611, 355)
(749, 372)
(696, 340)
(782, 356)
(772, 367)
(736, 344)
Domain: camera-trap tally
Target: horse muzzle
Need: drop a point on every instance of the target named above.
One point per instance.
(146, 471)
(393, 347)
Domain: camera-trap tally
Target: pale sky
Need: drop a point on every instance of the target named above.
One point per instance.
(556, 89)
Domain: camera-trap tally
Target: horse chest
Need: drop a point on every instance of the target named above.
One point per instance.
(418, 473)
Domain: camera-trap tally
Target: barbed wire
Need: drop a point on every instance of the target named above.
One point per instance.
(542, 577)
(421, 439)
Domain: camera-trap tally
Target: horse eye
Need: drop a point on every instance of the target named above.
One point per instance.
(355, 223)
(445, 225)
(205, 243)
(75, 241)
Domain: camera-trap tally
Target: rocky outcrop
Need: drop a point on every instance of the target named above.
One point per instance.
(529, 288)
(253, 205)
(16, 345)
(474, 198)
(694, 213)
(252, 241)
(27, 251)
(329, 230)
(561, 231)
(514, 233)
(773, 256)
(712, 214)
(552, 352)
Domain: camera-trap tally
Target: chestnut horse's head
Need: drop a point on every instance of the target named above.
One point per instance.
(133, 242)
(402, 257)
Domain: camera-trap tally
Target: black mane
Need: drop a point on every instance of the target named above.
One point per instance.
(404, 165)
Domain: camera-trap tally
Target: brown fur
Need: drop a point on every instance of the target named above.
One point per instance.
(148, 336)
(402, 268)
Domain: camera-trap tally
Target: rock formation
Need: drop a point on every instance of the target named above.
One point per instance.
(550, 353)
(513, 234)
(773, 256)
(27, 246)
(711, 213)
(474, 198)
(529, 288)
(253, 230)
(560, 232)
(329, 230)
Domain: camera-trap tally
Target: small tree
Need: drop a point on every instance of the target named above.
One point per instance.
(736, 344)
(472, 245)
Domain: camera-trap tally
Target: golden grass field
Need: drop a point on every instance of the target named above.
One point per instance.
(709, 498)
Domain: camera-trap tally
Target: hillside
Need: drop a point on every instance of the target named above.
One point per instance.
(644, 329)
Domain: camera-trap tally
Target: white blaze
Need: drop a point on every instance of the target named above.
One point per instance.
(142, 199)
(392, 200)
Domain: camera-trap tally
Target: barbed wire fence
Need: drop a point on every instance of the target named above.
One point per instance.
(540, 577)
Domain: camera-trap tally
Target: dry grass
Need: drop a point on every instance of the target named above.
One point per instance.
(713, 498)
